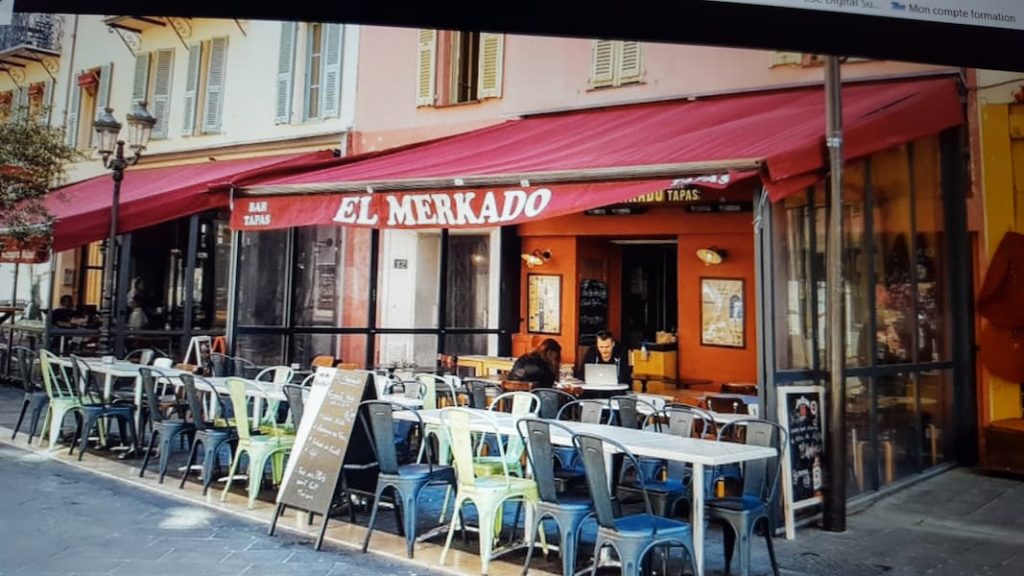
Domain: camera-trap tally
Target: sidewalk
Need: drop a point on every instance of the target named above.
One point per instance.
(958, 523)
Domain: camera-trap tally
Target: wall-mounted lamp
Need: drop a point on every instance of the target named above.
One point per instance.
(536, 258)
(711, 256)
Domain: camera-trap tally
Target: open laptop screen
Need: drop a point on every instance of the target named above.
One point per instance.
(600, 374)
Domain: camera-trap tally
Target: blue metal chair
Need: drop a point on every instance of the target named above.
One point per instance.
(628, 414)
(631, 536)
(165, 429)
(36, 399)
(407, 481)
(95, 409)
(743, 514)
(567, 510)
(587, 411)
(551, 401)
(207, 432)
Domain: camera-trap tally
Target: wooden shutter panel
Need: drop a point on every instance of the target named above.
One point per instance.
(602, 68)
(162, 91)
(285, 73)
(630, 62)
(425, 69)
(141, 84)
(334, 38)
(44, 116)
(215, 85)
(491, 65)
(195, 53)
(71, 127)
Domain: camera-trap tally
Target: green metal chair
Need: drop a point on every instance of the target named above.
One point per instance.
(260, 448)
(487, 493)
(62, 398)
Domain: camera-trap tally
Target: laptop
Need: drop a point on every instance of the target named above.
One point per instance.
(600, 374)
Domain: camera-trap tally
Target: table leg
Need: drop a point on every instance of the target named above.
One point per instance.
(697, 517)
(138, 410)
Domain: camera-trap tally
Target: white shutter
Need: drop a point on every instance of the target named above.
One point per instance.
(602, 67)
(103, 93)
(778, 58)
(44, 115)
(631, 65)
(215, 85)
(71, 126)
(285, 73)
(21, 112)
(162, 91)
(140, 86)
(330, 86)
(425, 73)
(195, 53)
(491, 65)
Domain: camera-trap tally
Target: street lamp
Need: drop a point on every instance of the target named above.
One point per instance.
(140, 128)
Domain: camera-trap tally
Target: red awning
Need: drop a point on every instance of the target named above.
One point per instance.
(153, 195)
(543, 166)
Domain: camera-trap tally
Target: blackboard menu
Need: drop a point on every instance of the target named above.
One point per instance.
(802, 412)
(593, 310)
(322, 440)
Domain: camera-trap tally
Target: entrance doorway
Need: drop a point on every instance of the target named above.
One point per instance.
(649, 290)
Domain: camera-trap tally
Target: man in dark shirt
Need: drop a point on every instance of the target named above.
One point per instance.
(607, 351)
(62, 316)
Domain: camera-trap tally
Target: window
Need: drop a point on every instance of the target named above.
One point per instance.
(780, 58)
(458, 67)
(318, 80)
(616, 62)
(153, 85)
(38, 100)
(204, 87)
(88, 99)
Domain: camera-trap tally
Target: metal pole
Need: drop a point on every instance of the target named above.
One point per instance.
(117, 166)
(834, 514)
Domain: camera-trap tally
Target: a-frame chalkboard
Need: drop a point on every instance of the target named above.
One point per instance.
(327, 440)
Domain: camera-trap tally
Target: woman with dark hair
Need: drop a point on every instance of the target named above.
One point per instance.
(540, 366)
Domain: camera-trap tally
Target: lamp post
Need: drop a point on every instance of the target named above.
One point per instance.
(140, 128)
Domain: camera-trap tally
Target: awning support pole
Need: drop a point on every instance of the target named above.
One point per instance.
(834, 514)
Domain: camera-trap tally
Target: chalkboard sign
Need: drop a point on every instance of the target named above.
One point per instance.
(593, 310)
(198, 353)
(802, 412)
(322, 441)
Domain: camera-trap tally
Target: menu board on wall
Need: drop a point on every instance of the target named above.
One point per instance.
(593, 310)
(802, 413)
(322, 441)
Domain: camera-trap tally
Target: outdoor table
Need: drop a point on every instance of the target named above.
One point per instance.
(694, 451)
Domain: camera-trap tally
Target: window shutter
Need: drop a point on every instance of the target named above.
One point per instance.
(44, 115)
(71, 127)
(285, 73)
(195, 53)
(162, 91)
(20, 105)
(215, 85)
(425, 68)
(631, 65)
(778, 58)
(141, 84)
(602, 69)
(492, 57)
(103, 94)
(334, 37)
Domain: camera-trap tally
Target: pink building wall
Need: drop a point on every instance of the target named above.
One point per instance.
(543, 74)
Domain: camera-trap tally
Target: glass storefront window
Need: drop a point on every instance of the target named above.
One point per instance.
(316, 276)
(894, 299)
(213, 264)
(408, 279)
(472, 290)
(861, 455)
(260, 349)
(346, 348)
(933, 319)
(793, 303)
(403, 350)
(155, 298)
(935, 391)
(261, 281)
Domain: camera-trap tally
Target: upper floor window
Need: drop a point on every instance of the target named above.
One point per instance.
(89, 96)
(38, 103)
(317, 81)
(153, 85)
(616, 62)
(204, 87)
(457, 67)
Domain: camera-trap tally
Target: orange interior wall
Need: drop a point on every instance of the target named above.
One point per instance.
(712, 362)
(602, 260)
(563, 263)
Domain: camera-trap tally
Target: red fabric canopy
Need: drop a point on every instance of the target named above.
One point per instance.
(153, 195)
(783, 130)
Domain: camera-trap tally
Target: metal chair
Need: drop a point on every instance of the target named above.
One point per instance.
(633, 536)
(406, 480)
(94, 408)
(587, 411)
(62, 397)
(36, 400)
(567, 510)
(167, 430)
(551, 401)
(754, 507)
(141, 356)
(477, 390)
(207, 432)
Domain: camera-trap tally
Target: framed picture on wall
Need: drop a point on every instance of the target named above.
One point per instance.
(544, 303)
(722, 312)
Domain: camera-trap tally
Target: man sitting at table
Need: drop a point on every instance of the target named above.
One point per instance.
(607, 351)
(539, 366)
